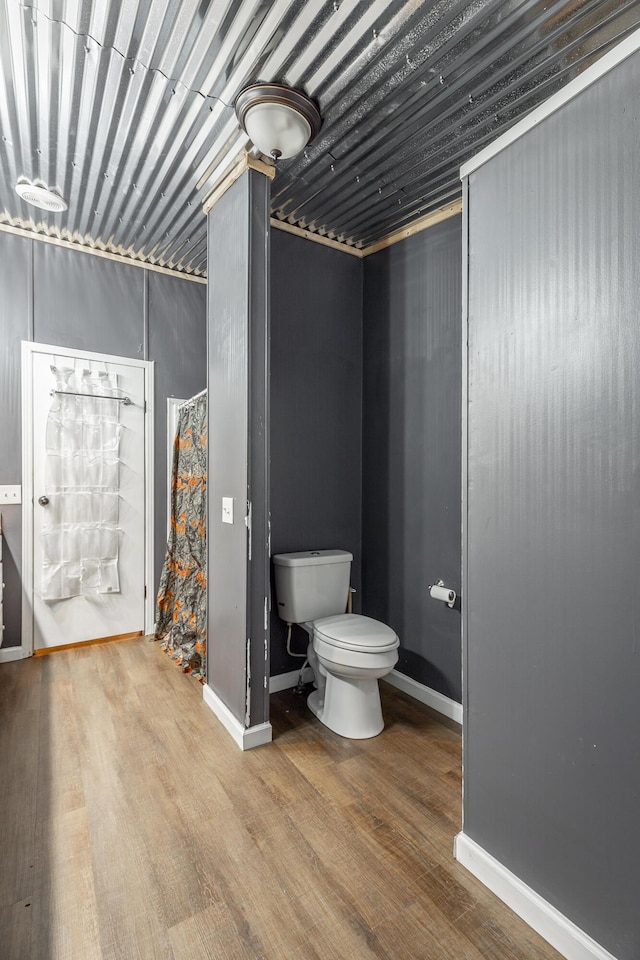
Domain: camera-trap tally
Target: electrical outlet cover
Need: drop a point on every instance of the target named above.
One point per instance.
(227, 509)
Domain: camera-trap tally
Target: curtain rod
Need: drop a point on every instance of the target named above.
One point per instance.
(191, 399)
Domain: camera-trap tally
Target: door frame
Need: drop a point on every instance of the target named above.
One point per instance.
(29, 348)
(173, 407)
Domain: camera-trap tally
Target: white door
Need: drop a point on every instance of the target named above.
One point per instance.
(88, 485)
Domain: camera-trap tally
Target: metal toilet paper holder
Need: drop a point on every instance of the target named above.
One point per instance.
(439, 592)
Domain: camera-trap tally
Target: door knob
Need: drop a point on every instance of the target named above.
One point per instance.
(43, 501)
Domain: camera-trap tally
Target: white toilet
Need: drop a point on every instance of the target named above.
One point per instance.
(347, 652)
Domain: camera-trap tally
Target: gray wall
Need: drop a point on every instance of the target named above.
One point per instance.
(316, 409)
(238, 230)
(411, 448)
(53, 295)
(551, 775)
(177, 343)
(15, 325)
(88, 303)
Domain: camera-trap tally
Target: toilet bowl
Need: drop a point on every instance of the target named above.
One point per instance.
(349, 653)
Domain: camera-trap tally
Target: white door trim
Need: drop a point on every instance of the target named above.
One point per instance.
(26, 645)
(28, 349)
(173, 405)
(149, 496)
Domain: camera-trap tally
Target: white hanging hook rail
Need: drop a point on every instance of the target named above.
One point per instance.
(126, 401)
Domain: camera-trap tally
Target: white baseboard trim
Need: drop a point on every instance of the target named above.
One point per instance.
(286, 681)
(437, 701)
(7, 654)
(245, 737)
(553, 926)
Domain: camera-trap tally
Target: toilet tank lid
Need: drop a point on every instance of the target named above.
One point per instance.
(309, 557)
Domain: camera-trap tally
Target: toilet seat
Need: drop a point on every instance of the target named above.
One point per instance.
(355, 633)
(349, 653)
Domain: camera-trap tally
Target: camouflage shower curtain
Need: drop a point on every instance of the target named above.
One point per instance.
(181, 609)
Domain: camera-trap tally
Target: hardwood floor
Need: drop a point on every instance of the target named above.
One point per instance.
(133, 828)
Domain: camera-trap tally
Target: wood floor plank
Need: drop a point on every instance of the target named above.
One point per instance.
(64, 904)
(59, 771)
(15, 926)
(423, 933)
(504, 936)
(136, 830)
(322, 927)
(20, 697)
(213, 935)
(130, 924)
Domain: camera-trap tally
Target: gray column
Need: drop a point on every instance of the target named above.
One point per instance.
(238, 369)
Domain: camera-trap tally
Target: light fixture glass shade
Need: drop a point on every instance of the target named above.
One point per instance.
(277, 130)
(41, 197)
(279, 120)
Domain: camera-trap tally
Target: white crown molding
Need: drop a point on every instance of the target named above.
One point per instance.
(95, 252)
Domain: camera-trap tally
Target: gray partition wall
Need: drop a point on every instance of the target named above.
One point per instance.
(16, 322)
(316, 410)
(411, 448)
(178, 345)
(69, 298)
(552, 661)
(238, 552)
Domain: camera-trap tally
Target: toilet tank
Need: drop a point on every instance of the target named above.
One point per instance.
(312, 584)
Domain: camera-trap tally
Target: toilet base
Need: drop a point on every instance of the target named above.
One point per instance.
(351, 707)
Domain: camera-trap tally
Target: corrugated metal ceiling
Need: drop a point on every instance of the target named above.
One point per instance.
(126, 108)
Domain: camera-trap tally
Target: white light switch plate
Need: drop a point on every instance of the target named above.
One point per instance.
(227, 509)
(10, 493)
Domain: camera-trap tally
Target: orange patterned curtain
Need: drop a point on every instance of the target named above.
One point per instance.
(181, 609)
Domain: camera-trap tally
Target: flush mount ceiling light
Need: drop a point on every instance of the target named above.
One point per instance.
(41, 197)
(278, 120)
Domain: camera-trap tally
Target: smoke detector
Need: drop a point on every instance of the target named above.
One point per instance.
(41, 197)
